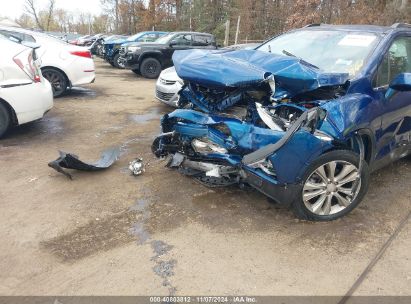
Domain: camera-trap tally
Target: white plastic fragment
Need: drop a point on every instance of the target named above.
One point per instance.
(137, 166)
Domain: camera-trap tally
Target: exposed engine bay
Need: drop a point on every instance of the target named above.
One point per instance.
(257, 105)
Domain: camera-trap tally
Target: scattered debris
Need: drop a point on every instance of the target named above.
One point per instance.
(137, 166)
(72, 161)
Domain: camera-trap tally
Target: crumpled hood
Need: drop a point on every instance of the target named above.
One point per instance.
(242, 68)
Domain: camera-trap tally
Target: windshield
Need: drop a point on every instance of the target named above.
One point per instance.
(330, 50)
(164, 39)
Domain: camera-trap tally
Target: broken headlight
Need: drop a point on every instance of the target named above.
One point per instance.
(323, 136)
(223, 128)
(206, 146)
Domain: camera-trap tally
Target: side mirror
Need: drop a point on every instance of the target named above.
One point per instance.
(173, 43)
(402, 82)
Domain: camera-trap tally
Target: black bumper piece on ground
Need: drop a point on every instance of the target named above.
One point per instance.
(71, 161)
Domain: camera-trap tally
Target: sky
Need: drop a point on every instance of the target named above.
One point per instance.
(14, 8)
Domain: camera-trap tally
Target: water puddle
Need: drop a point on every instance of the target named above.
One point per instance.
(163, 268)
(139, 229)
(160, 248)
(113, 129)
(98, 235)
(80, 92)
(140, 232)
(142, 118)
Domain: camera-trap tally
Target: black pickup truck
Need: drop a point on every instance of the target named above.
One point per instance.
(149, 58)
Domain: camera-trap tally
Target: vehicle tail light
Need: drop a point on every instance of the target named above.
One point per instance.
(27, 63)
(85, 54)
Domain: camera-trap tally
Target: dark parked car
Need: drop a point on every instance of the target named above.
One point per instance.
(112, 47)
(150, 58)
(325, 106)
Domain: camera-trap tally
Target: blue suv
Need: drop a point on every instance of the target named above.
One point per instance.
(316, 110)
(112, 48)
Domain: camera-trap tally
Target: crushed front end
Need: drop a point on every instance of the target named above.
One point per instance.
(270, 143)
(222, 151)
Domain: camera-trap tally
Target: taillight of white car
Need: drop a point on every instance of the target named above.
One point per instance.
(85, 54)
(26, 61)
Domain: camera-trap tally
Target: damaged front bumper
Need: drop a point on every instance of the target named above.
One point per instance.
(271, 161)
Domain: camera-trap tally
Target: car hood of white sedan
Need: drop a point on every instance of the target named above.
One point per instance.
(170, 74)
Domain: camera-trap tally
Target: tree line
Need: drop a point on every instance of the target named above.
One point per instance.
(255, 20)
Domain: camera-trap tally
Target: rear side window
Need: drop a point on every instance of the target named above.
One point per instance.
(21, 36)
(396, 61)
(183, 39)
(202, 40)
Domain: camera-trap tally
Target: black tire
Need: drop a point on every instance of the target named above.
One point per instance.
(150, 68)
(57, 79)
(5, 120)
(116, 61)
(137, 72)
(111, 63)
(300, 209)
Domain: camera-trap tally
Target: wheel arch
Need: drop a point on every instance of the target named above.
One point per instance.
(368, 140)
(155, 55)
(57, 69)
(10, 109)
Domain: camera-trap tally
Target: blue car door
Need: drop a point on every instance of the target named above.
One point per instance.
(395, 133)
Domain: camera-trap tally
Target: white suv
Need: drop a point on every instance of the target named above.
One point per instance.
(24, 94)
(62, 64)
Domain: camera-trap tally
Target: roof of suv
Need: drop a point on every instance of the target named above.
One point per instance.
(199, 33)
(364, 27)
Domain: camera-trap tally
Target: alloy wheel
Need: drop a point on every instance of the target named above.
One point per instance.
(121, 63)
(58, 84)
(151, 68)
(331, 187)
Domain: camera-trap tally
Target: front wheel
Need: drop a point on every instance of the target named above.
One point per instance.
(150, 68)
(118, 62)
(332, 186)
(57, 80)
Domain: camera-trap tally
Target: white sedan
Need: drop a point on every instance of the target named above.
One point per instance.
(167, 87)
(24, 94)
(62, 64)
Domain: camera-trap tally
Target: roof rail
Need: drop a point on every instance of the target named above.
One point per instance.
(401, 25)
(313, 24)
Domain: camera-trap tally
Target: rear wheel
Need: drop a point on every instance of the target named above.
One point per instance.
(57, 80)
(150, 68)
(5, 120)
(332, 187)
(118, 62)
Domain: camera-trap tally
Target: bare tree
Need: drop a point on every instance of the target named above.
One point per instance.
(111, 7)
(30, 8)
(50, 12)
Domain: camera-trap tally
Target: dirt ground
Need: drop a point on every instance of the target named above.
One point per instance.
(110, 233)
